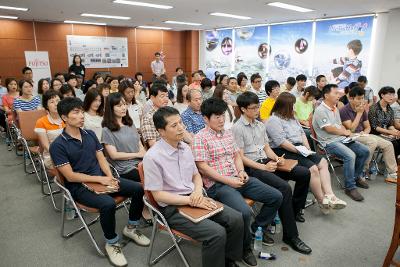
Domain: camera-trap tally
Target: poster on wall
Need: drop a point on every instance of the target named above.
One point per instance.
(252, 50)
(219, 52)
(342, 49)
(291, 50)
(98, 51)
(39, 62)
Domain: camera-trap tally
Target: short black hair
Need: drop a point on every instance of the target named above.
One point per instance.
(246, 99)
(58, 74)
(328, 88)
(362, 79)
(206, 83)
(311, 90)
(49, 94)
(270, 85)
(319, 77)
(240, 78)
(178, 68)
(161, 115)
(231, 78)
(157, 87)
(181, 78)
(68, 104)
(301, 77)
(214, 106)
(25, 69)
(65, 89)
(386, 90)
(157, 54)
(138, 74)
(254, 77)
(70, 77)
(291, 81)
(356, 91)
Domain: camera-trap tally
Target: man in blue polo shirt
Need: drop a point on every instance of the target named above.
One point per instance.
(77, 155)
(192, 117)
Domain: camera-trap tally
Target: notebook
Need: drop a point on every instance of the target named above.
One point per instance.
(198, 214)
(99, 188)
(288, 166)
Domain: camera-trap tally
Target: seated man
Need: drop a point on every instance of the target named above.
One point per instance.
(334, 136)
(252, 140)
(218, 159)
(172, 176)
(77, 155)
(355, 119)
(192, 117)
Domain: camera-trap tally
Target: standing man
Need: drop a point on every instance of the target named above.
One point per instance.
(157, 66)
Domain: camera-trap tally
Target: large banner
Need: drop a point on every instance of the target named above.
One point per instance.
(98, 51)
(342, 49)
(219, 52)
(39, 62)
(291, 50)
(252, 50)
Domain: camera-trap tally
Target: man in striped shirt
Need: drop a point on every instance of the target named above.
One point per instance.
(257, 88)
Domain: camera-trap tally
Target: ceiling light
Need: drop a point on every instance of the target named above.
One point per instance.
(8, 17)
(154, 27)
(183, 23)
(290, 7)
(229, 15)
(14, 8)
(105, 16)
(135, 3)
(84, 22)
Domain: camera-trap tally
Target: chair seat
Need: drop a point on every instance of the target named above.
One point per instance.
(117, 199)
(34, 149)
(52, 172)
(249, 202)
(177, 233)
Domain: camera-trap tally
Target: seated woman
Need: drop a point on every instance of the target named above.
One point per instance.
(56, 84)
(8, 99)
(26, 101)
(222, 92)
(114, 84)
(50, 126)
(181, 103)
(43, 86)
(140, 95)
(285, 134)
(126, 88)
(121, 139)
(67, 91)
(381, 118)
(93, 106)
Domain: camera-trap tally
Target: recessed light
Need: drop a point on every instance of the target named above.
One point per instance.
(84, 22)
(290, 7)
(182, 23)
(8, 17)
(219, 14)
(154, 27)
(135, 3)
(104, 16)
(14, 8)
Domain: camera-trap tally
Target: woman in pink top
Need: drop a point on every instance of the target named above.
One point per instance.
(8, 99)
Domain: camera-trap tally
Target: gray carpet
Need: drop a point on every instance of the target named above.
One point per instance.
(30, 230)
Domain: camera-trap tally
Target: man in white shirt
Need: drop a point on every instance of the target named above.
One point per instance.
(157, 66)
(256, 87)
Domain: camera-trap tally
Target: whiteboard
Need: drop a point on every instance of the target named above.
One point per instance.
(98, 51)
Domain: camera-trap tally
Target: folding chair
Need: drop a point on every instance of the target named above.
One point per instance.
(13, 133)
(160, 223)
(66, 195)
(27, 121)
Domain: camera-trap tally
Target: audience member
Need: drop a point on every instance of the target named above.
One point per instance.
(272, 88)
(26, 101)
(256, 80)
(127, 89)
(93, 107)
(192, 117)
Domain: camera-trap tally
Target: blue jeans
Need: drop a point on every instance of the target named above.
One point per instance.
(256, 190)
(354, 155)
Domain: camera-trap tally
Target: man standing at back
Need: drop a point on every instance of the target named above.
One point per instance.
(157, 66)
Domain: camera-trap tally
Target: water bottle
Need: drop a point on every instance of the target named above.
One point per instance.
(69, 210)
(258, 240)
(373, 172)
(278, 225)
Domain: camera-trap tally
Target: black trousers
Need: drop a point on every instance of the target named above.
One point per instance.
(221, 235)
(131, 175)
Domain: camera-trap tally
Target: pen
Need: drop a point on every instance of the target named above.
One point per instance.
(279, 158)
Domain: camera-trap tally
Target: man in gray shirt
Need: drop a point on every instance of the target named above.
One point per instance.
(335, 138)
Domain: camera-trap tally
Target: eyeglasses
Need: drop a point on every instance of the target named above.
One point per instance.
(254, 107)
(257, 81)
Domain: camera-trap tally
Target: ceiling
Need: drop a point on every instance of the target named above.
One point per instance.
(192, 11)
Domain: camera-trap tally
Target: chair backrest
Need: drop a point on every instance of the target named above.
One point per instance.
(398, 188)
(314, 135)
(27, 121)
(147, 193)
(60, 178)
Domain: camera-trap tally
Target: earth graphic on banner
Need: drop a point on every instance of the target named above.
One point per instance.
(211, 40)
(282, 60)
(245, 33)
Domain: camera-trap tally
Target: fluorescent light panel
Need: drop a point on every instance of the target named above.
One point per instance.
(105, 16)
(154, 27)
(135, 3)
(182, 23)
(290, 7)
(8, 17)
(219, 14)
(14, 8)
(84, 22)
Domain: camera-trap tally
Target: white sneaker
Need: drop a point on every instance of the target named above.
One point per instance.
(336, 203)
(136, 236)
(115, 255)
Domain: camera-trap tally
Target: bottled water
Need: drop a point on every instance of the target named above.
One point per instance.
(69, 210)
(373, 172)
(278, 225)
(258, 240)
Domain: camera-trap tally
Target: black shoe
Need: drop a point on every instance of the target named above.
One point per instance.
(230, 263)
(267, 241)
(248, 258)
(300, 218)
(298, 245)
